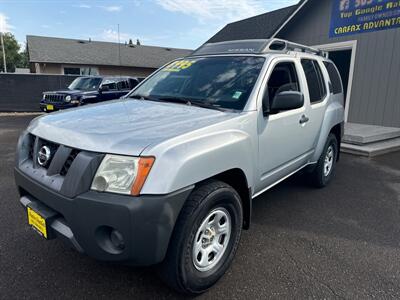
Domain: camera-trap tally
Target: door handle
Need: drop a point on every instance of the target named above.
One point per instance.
(304, 119)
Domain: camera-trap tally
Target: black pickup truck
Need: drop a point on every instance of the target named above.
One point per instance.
(87, 90)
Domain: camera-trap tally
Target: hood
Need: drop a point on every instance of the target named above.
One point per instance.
(68, 92)
(123, 126)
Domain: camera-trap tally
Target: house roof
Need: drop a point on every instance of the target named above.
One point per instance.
(70, 51)
(263, 26)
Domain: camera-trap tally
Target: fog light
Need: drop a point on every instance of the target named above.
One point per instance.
(117, 239)
(110, 240)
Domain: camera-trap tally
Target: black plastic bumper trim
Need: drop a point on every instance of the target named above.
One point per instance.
(146, 222)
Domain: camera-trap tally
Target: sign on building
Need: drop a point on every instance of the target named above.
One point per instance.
(358, 16)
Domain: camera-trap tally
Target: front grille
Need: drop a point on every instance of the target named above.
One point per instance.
(68, 170)
(68, 162)
(31, 144)
(53, 149)
(63, 164)
(54, 98)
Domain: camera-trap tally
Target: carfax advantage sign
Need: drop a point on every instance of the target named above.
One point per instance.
(358, 16)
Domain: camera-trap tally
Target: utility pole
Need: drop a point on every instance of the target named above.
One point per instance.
(4, 51)
(119, 48)
(119, 52)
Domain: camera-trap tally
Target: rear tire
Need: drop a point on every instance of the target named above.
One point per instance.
(205, 238)
(325, 168)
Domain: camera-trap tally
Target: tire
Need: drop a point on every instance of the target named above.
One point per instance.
(183, 268)
(320, 177)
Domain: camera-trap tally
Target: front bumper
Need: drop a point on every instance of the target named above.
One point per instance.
(86, 221)
(56, 106)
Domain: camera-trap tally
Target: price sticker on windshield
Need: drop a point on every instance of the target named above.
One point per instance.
(179, 65)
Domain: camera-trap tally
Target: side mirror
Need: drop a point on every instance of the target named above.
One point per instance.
(104, 88)
(286, 101)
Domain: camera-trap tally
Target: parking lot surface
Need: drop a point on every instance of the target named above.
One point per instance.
(339, 242)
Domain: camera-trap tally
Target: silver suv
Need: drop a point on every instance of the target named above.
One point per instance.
(167, 175)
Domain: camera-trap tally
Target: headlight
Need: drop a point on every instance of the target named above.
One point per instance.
(122, 174)
(68, 98)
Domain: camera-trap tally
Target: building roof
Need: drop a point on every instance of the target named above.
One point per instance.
(262, 26)
(83, 52)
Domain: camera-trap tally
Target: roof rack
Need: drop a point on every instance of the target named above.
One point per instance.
(254, 46)
(283, 45)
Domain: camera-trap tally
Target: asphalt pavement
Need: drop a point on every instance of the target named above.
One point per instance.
(339, 242)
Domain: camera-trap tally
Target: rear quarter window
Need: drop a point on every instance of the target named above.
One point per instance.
(315, 80)
(335, 77)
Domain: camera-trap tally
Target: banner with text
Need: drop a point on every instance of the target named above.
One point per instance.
(358, 16)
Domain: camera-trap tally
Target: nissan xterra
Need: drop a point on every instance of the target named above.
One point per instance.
(167, 175)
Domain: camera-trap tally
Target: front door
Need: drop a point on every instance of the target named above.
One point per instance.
(284, 140)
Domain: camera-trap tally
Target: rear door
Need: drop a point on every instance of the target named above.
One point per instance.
(285, 142)
(110, 89)
(318, 93)
(123, 86)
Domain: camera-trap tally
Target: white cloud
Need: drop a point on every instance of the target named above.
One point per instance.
(227, 10)
(45, 26)
(212, 15)
(110, 35)
(4, 25)
(112, 8)
(83, 5)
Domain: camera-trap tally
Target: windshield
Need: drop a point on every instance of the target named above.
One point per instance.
(220, 82)
(85, 84)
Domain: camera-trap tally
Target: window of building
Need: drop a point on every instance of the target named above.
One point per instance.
(315, 81)
(72, 71)
(335, 77)
(81, 71)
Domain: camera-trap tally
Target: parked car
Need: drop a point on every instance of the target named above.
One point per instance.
(87, 90)
(167, 176)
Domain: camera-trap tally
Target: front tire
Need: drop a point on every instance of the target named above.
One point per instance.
(325, 168)
(205, 238)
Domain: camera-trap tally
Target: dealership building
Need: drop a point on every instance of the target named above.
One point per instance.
(361, 36)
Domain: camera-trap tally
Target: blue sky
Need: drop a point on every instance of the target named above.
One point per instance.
(172, 23)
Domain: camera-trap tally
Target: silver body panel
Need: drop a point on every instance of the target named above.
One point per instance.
(123, 126)
(191, 144)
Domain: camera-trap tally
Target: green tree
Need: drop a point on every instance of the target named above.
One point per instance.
(13, 56)
(23, 58)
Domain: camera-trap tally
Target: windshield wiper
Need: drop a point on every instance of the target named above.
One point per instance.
(194, 102)
(142, 97)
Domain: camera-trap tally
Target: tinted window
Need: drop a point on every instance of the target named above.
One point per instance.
(123, 84)
(335, 77)
(315, 81)
(133, 83)
(283, 78)
(110, 83)
(85, 84)
(221, 82)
